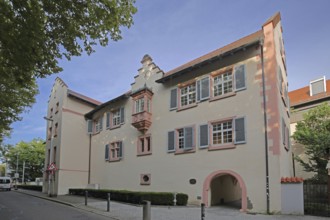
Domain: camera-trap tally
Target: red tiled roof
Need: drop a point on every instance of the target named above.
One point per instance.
(302, 95)
(84, 98)
(241, 42)
(292, 180)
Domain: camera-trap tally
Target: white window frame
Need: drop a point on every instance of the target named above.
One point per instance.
(221, 82)
(114, 150)
(139, 105)
(189, 95)
(222, 132)
(116, 117)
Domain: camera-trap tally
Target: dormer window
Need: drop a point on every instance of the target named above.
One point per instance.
(317, 86)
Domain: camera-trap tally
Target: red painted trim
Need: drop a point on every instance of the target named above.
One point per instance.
(71, 111)
(215, 174)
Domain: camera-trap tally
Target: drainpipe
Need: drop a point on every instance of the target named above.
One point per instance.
(265, 123)
(89, 158)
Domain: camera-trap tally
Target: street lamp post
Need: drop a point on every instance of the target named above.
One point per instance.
(50, 153)
(16, 174)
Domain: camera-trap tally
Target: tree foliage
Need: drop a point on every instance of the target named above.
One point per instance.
(35, 34)
(33, 153)
(314, 134)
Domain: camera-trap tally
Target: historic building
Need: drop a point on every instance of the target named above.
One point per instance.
(215, 128)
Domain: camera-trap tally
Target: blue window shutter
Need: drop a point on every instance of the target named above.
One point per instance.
(107, 152)
(205, 88)
(120, 146)
(188, 138)
(203, 136)
(171, 141)
(101, 123)
(89, 126)
(122, 115)
(240, 77)
(198, 91)
(174, 99)
(108, 120)
(240, 136)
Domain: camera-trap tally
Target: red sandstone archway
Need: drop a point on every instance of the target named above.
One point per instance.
(209, 178)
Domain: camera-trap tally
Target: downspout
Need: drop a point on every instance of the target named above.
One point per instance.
(265, 123)
(89, 158)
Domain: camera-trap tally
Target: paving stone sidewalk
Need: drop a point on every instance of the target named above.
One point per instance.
(120, 211)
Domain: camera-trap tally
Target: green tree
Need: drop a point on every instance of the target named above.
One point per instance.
(314, 134)
(35, 34)
(32, 153)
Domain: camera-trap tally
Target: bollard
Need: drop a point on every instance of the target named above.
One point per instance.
(86, 195)
(202, 211)
(146, 210)
(174, 199)
(108, 203)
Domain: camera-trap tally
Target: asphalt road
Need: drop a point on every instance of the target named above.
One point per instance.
(18, 206)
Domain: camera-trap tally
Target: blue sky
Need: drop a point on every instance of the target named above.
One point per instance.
(174, 32)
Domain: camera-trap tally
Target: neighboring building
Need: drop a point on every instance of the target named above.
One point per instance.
(303, 100)
(199, 129)
(67, 144)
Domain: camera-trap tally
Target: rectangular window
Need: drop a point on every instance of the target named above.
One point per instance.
(116, 150)
(188, 95)
(56, 127)
(98, 124)
(57, 107)
(51, 113)
(223, 84)
(116, 118)
(222, 133)
(50, 133)
(139, 105)
(144, 145)
(181, 140)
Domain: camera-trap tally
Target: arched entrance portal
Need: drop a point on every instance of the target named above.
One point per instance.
(224, 186)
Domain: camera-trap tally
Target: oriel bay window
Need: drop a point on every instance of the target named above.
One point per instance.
(213, 86)
(141, 116)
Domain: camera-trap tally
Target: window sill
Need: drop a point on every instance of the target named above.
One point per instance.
(144, 154)
(221, 147)
(178, 152)
(114, 160)
(114, 127)
(186, 107)
(222, 96)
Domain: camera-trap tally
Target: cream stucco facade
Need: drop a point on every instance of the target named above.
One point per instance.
(67, 143)
(202, 129)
